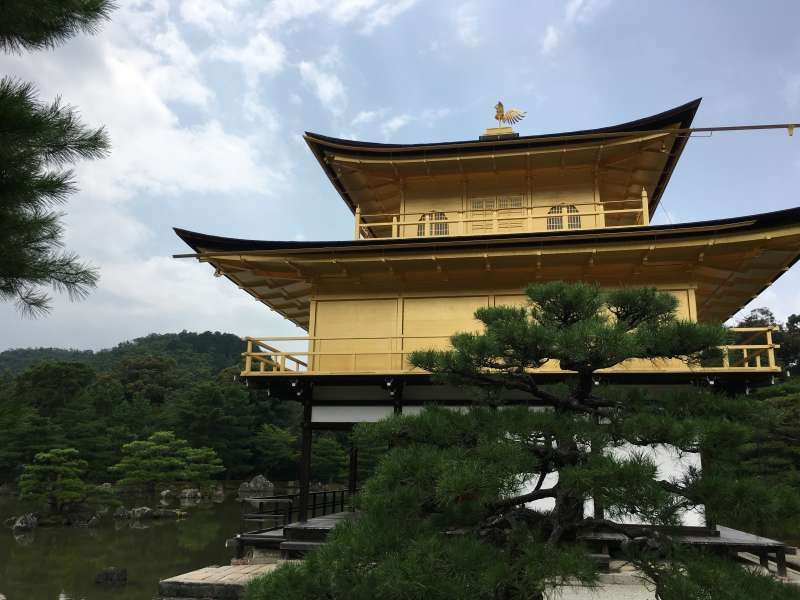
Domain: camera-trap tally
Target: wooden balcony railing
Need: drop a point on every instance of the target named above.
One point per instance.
(438, 223)
(752, 350)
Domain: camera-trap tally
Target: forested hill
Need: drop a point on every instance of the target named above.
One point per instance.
(96, 402)
(207, 351)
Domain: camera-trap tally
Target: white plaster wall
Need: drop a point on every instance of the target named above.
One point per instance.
(671, 464)
(349, 414)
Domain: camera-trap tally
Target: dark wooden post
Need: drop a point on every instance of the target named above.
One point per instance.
(599, 509)
(780, 560)
(305, 461)
(352, 479)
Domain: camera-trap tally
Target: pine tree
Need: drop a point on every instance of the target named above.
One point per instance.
(37, 141)
(447, 513)
(163, 459)
(55, 479)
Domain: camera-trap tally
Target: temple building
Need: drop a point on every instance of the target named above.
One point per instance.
(440, 229)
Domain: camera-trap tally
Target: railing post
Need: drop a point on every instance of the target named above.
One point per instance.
(645, 208)
(283, 362)
(395, 228)
(357, 233)
(248, 359)
(745, 358)
(495, 222)
(726, 359)
(770, 350)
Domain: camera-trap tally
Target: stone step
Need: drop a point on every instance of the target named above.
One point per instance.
(217, 583)
(298, 547)
(602, 560)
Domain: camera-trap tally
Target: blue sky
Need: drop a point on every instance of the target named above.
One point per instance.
(206, 102)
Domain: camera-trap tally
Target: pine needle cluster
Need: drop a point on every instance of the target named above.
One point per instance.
(38, 142)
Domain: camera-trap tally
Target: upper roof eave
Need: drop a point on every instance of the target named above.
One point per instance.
(201, 242)
(683, 115)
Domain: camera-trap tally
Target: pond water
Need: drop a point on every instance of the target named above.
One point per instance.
(61, 562)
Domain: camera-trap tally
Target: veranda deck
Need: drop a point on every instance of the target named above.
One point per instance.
(720, 537)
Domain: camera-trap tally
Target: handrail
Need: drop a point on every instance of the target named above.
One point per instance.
(736, 355)
(491, 218)
(319, 504)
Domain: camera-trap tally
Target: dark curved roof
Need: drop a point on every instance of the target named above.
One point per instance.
(682, 115)
(200, 242)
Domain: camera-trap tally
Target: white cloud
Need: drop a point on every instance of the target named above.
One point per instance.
(467, 28)
(392, 125)
(365, 117)
(332, 58)
(326, 86)
(550, 39)
(576, 12)
(371, 14)
(256, 111)
(210, 15)
(345, 11)
(262, 55)
(583, 11)
(791, 90)
(136, 297)
(431, 115)
(384, 14)
(281, 12)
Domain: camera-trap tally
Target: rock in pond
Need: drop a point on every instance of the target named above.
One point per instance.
(191, 494)
(258, 485)
(112, 576)
(166, 513)
(25, 522)
(142, 512)
(122, 513)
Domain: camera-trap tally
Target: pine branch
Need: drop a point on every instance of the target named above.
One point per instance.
(41, 24)
(538, 494)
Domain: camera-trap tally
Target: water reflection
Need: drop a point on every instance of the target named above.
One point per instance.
(62, 562)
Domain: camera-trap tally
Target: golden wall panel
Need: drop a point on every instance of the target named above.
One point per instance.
(415, 322)
(350, 318)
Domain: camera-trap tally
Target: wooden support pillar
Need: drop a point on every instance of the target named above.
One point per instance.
(305, 461)
(599, 510)
(357, 232)
(645, 207)
(780, 560)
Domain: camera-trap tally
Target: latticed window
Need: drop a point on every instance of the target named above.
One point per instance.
(510, 202)
(573, 217)
(482, 203)
(555, 218)
(432, 223)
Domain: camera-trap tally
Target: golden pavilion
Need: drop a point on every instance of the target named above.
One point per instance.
(440, 229)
